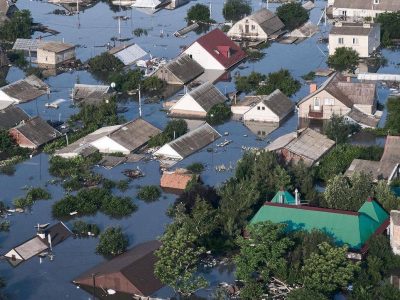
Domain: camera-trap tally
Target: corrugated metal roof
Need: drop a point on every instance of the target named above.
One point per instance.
(207, 95)
(31, 248)
(128, 54)
(279, 103)
(85, 91)
(153, 4)
(362, 118)
(364, 166)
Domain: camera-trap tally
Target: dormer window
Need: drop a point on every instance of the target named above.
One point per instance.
(376, 1)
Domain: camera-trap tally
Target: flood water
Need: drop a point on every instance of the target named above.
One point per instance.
(95, 28)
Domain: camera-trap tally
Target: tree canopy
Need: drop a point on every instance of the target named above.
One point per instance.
(390, 27)
(234, 10)
(292, 14)
(112, 242)
(18, 26)
(219, 114)
(173, 130)
(339, 130)
(392, 124)
(198, 12)
(344, 59)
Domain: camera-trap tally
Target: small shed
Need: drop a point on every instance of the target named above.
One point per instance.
(34, 133)
(128, 54)
(12, 116)
(55, 53)
(197, 102)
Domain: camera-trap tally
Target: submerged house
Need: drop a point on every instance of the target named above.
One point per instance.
(177, 181)
(345, 227)
(357, 101)
(12, 116)
(259, 26)
(55, 53)
(364, 38)
(34, 133)
(151, 5)
(43, 241)
(215, 51)
(130, 275)
(91, 94)
(179, 71)
(307, 145)
(388, 168)
(359, 9)
(197, 102)
(176, 3)
(128, 54)
(24, 90)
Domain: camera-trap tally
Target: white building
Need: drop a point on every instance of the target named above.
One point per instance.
(358, 9)
(260, 26)
(365, 38)
(55, 53)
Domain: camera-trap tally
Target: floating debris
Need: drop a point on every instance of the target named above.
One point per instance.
(224, 143)
(133, 173)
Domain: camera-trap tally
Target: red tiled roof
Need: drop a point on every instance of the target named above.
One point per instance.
(177, 180)
(218, 44)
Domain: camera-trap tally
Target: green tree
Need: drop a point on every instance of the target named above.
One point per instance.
(173, 130)
(344, 59)
(339, 130)
(153, 85)
(105, 63)
(329, 270)
(249, 83)
(262, 254)
(292, 14)
(112, 242)
(234, 10)
(385, 196)
(219, 114)
(149, 193)
(18, 26)
(198, 13)
(390, 27)
(178, 260)
(392, 124)
(305, 294)
(281, 80)
(196, 167)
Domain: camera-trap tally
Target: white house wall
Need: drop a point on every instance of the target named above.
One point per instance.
(107, 145)
(203, 58)
(14, 253)
(5, 97)
(240, 110)
(168, 152)
(187, 103)
(355, 13)
(253, 31)
(261, 113)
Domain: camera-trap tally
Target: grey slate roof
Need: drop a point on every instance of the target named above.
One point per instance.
(207, 95)
(134, 134)
(267, 20)
(362, 118)
(194, 140)
(386, 5)
(279, 103)
(26, 89)
(356, 29)
(56, 47)
(27, 44)
(11, 116)
(364, 166)
(90, 93)
(184, 68)
(128, 54)
(38, 131)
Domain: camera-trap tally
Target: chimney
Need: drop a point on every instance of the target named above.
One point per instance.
(296, 196)
(348, 78)
(313, 87)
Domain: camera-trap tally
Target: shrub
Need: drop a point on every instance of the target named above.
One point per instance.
(234, 10)
(196, 167)
(390, 27)
(18, 26)
(112, 242)
(282, 80)
(219, 114)
(31, 196)
(393, 121)
(105, 63)
(149, 193)
(344, 59)
(292, 15)
(82, 228)
(173, 130)
(118, 207)
(198, 12)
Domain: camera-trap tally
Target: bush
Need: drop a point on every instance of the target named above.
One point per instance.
(18, 26)
(392, 120)
(8, 146)
(198, 12)
(234, 10)
(105, 63)
(339, 130)
(309, 76)
(292, 15)
(149, 193)
(31, 196)
(173, 130)
(344, 59)
(196, 167)
(112, 242)
(219, 114)
(249, 83)
(118, 207)
(390, 27)
(123, 185)
(82, 229)
(4, 227)
(282, 80)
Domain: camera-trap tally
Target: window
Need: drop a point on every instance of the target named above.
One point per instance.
(376, 1)
(258, 108)
(316, 103)
(355, 41)
(253, 27)
(263, 108)
(329, 101)
(340, 41)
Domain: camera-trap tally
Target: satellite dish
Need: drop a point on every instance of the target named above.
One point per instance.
(111, 292)
(113, 84)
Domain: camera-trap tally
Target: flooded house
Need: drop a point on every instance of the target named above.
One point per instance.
(179, 71)
(307, 145)
(305, 31)
(12, 116)
(259, 26)
(353, 228)
(187, 144)
(176, 3)
(197, 102)
(23, 90)
(55, 53)
(128, 54)
(130, 275)
(388, 168)
(360, 9)
(215, 51)
(338, 95)
(42, 242)
(150, 5)
(33, 133)
(91, 94)
(176, 181)
(364, 38)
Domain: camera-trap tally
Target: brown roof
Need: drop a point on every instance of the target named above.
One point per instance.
(184, 68)
(131, 272)
(11, 116)
(267, 20)
(385, 5)
(134, 134)
(353, 29)
(55, 47)
(207, 95)
(177, 180)
(26, 89)
(37, 131)
(362, 118)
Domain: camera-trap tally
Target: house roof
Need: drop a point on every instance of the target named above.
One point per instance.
(349, 93)
(177, 180)
(184, 68)
(27, 44)
(306, 30)
(362, 118)
(89, 91)
(214, 43)
(194, 140)
(37, 131)
(364, 166)
(385, 5)
(134, 134)
(355, 29)
(279, 103)
(128, 54)
(306, 143)
(136, 266)
(346, 227)
(26, 89)
(268, 21)
(56, 47)
(283, 197)
(148, 3)
(207, 95)
(31, 247)
(12, 116)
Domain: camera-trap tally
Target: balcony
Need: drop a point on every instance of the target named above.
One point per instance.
(316, 113)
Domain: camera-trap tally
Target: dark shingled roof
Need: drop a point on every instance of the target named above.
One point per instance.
(207, 95)
(386, 5)
(11, 116)
(184, 68)
(215, 41)
(279, 103)
(362, 118)
(134, 134)
(352, 29)
(26, 89)
(38, 131)
(267, 20)
(194, 140)
(135, 267)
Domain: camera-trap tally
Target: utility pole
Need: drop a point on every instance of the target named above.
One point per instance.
(140, 102)
(77, 11)
(94, 285)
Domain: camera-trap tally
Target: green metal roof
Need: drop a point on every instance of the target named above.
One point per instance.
(346, 227)
(284, 196)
